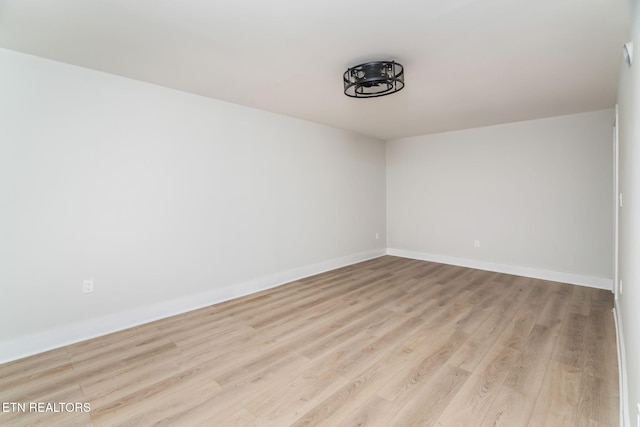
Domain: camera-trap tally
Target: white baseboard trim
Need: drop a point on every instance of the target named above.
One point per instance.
(29, 345)
(554, 276)
(625, 420)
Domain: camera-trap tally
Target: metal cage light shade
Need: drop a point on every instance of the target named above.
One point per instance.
(375, 78)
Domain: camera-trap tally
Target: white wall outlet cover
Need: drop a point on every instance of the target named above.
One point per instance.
(87, 286)
(628, 53)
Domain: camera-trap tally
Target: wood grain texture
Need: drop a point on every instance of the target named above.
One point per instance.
(386, 342)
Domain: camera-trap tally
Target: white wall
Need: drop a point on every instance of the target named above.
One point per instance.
(536, 194)
(629, 245)
(168, 200)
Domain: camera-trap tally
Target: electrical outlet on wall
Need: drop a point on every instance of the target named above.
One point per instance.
(476, 243)
(87, 286)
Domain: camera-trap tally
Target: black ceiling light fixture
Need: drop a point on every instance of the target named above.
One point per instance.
(375, 78)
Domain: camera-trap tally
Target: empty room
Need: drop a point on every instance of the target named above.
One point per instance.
(280, 213)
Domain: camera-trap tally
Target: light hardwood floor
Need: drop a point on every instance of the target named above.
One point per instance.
(387, 342)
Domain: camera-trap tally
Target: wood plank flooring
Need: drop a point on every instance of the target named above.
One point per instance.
(387, 342)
